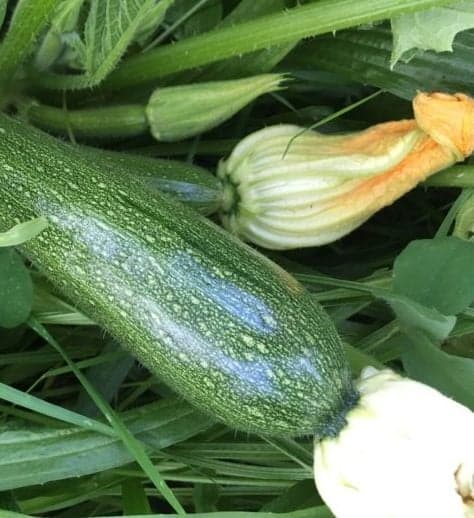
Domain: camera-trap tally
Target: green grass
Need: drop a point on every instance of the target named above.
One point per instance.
(84, 430)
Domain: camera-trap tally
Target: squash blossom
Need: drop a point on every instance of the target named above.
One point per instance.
(406, 451)
(177, 112)
(287, 189)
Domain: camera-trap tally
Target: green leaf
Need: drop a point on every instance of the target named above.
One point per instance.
(413, 315)
(134, 445)
(22, 232)
(432, 29)
(110, 28)
(437, 273)
(451, 375)
(410, 313)
(134, 498)
(235, 40)
(364, 56)
(32, 455)
(16, 289)
(107, 381)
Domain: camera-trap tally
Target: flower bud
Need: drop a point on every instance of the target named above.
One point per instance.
(407, 451)
(178, 112)
(289, 188)
(62, 25)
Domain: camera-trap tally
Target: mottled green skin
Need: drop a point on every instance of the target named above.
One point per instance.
(226, 328)
(188, 183)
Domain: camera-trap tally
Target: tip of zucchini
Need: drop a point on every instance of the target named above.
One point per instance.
(338, 421)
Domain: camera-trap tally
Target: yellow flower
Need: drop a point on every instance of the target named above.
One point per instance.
(407, 451)
(309, 191)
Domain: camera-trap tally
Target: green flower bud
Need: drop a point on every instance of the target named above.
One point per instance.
(63, 23)
(178, 112)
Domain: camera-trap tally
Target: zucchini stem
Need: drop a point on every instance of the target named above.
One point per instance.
(28, 20)
(121, 121)
(457, 176)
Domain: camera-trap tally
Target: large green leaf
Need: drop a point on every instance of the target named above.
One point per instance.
(432, 29)
(438, 273)
(110, 27)
(451, 375)
(364, 56)
(274, 29)
(32, 455)
(16, 289)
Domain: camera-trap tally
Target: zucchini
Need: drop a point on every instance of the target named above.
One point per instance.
(225, 327)
(188, 183)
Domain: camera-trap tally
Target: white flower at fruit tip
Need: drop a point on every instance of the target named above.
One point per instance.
(406, 452)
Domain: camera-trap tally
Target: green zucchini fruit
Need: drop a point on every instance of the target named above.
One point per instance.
(188, 183)
(230, 331)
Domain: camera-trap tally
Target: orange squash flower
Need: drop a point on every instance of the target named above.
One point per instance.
(283, 193)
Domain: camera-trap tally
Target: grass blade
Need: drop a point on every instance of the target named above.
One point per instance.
(133, 445)
(17, 397)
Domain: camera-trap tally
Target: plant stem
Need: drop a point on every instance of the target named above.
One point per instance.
(109, 122)
(456, 176)
(260, 33)
(28, 20)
